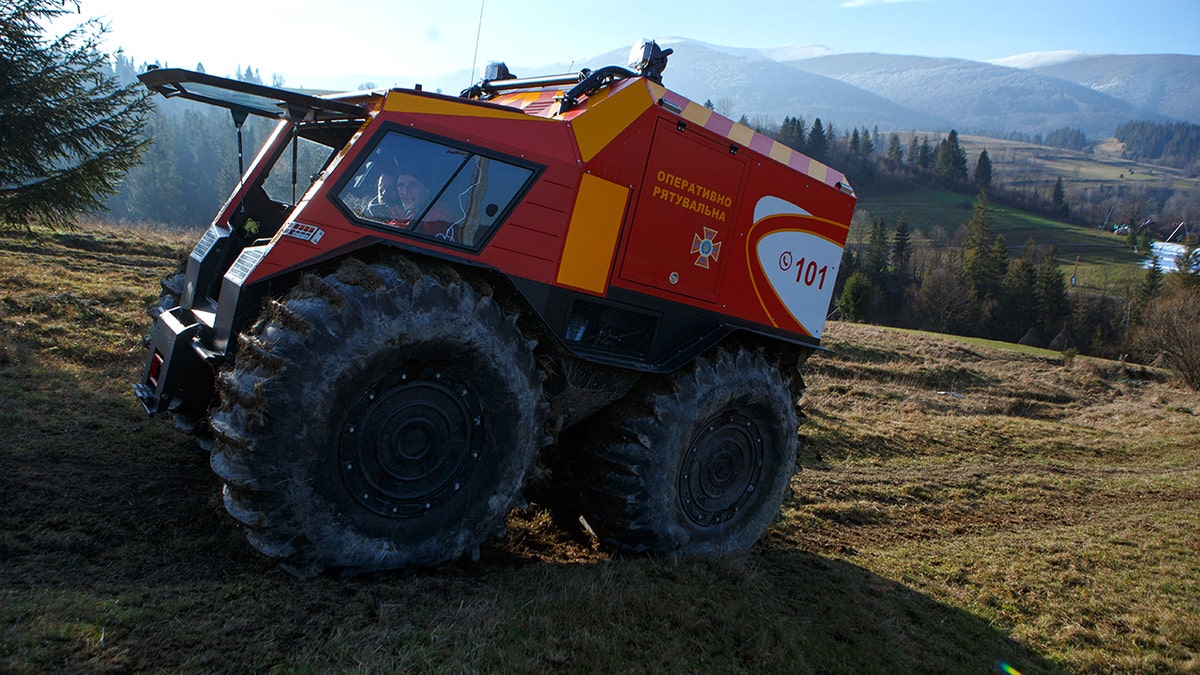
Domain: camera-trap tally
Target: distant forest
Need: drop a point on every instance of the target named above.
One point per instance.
(1174, 144)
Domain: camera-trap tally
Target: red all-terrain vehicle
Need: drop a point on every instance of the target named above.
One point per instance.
(586, 272)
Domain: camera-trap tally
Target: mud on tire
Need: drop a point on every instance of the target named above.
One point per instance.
(696, 463)
(377, 418)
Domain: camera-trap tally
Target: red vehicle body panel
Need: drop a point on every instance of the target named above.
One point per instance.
(717, 217)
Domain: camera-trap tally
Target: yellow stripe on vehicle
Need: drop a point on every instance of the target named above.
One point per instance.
(592, 236)
(608, 113)
(415, 103)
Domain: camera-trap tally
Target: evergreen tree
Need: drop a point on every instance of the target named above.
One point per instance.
(1058, 200)
(925, 154)
(1017, 312)
(855, 300)
(791, 133)
(951, 162)
(895, 152)
(1051, 293)
(250, 75)
(1151, 283)
(817, 146)
(914, 150)
(855, 143)
(984, 258)
(901, 248)
(68, 131)
(983, 171)
(868, 145)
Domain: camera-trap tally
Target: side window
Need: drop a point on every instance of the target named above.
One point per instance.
(433, 190)
(479, 194)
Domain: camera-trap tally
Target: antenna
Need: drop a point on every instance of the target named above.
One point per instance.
(478, 32)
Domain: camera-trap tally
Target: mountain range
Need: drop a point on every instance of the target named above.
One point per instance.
(1029, 93)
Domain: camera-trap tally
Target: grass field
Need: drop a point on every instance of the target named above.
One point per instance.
(1027, 165)
(962, 507)
(1099, 259)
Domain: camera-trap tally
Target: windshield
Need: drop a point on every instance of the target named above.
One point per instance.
(288, 181)
(292, 160)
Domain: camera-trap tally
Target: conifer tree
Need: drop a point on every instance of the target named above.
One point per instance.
(69, 132)
(914, 150)
(817, 145)
(1151, 283)
(1058, 200)
(983, 171)
(925, 154)
(984, 263)
(1018, 308)
(901, 247)
(951, 162)
(1051, 293)
(855, 300)
(895, 153)
(791, 133)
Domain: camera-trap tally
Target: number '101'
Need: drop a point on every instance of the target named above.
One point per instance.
(808, 274)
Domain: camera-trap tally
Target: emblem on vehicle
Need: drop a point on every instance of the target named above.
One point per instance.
(798, 260)
(706, 247)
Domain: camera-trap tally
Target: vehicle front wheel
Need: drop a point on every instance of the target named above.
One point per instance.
(378, 418)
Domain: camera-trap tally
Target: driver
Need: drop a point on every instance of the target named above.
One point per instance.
(401, 198)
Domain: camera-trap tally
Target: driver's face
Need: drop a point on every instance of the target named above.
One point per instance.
(409, 188)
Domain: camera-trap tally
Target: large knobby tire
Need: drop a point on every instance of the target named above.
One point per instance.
(379, 418)
(695, 463)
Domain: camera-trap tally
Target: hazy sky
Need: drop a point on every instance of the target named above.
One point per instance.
(330, 43)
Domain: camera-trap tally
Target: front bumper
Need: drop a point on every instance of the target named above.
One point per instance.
(178, 368)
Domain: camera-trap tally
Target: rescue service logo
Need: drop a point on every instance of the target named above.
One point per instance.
(706, 247)
(798, 258)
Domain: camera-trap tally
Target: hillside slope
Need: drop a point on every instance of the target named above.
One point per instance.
(960, 505)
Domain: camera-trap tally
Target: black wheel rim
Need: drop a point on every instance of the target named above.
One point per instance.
(411, 443)
(721, 469)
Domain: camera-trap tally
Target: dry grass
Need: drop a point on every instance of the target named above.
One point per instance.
(962, 505)
(1059, 504)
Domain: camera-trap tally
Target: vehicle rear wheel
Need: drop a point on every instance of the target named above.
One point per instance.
(695, 463)
(378, 418)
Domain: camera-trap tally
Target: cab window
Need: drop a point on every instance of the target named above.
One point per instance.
(435, 190)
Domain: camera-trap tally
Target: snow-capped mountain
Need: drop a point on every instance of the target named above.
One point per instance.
(1028, 93)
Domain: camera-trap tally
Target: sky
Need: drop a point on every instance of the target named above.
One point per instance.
(335, 43)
